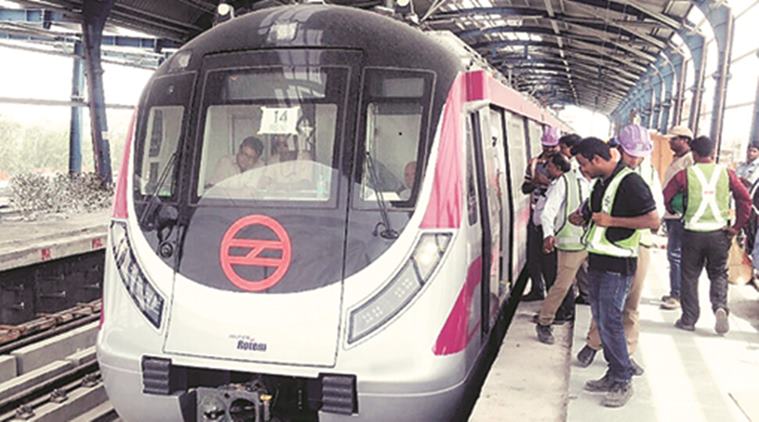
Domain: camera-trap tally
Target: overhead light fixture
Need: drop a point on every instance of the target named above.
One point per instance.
(224, 9)
(224, 12)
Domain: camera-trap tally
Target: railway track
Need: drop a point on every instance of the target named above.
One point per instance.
(62, 388)
(45, 326)
(55, 397)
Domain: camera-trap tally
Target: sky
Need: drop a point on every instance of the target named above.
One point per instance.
(44, 76)
(586, 122)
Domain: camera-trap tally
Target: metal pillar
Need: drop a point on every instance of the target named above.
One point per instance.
(658, 89)
(653, 100)
(682, 74)
(644, 97)
(95, 13)
(75, 127)
(754, 139)
(721, 19)
(645, 102)
(695, 43)
(672, 102)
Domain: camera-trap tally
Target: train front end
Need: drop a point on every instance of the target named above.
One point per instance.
(285, 241)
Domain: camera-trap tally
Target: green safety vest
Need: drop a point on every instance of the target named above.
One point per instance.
(595, 238)
(708, 206)
(569, 236)
(646, 237)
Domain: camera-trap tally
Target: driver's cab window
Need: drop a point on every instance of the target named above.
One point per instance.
(263, 143)
(396, 103)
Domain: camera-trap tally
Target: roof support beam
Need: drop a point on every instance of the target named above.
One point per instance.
(661, 109)
(575, 60)
(632, 8)
(594, 11)
(695, 43)
(587, 38)
(560, 69)
(722, 21)
(681, 70)
(674, 62)
(588, 81)
(560, 42)
(486, 47)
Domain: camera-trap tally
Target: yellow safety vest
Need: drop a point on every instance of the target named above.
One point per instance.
(596, 240)
(708, 197)
(569, 236)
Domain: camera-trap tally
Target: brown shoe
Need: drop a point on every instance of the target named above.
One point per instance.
(670, 304)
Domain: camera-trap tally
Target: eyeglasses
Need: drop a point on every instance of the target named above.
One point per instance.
(242, 153)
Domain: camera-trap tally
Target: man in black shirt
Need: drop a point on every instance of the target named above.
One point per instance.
(620, 205)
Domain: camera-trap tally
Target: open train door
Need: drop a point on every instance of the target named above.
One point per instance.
(490, 185)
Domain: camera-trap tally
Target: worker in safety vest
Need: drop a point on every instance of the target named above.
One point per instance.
(567, 192)
(620, 206)
(707, 234)
(540, 267)
(680, 138)
(635, 146)
(566, 143)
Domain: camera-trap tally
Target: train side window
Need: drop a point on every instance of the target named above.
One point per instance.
(471, 182)
(535, 133)
(515, 135)
(396, 104)
(163, 131)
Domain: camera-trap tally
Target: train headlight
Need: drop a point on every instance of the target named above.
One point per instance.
(428, 252)
(401, 289)
(144, 295)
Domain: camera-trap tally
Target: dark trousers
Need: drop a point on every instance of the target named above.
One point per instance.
(538, 264)
(582, 281)
(542, 269)
(701, 249)
(750, 233)
(608, 293)
(675, 255)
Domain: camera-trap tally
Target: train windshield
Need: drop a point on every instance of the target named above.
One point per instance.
(270, 133)
(396, 106)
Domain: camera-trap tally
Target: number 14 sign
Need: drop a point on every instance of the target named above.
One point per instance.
(279, 120)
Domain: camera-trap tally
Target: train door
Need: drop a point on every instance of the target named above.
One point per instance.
(519, 154)
(475, 252)
(489, 186)
(505, 276)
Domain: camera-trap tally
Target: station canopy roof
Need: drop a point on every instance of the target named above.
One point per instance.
(584, 52)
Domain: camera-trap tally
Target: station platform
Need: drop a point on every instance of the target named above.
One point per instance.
(693, 376)
(51, 237)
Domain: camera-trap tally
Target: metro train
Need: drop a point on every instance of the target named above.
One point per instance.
(317, 217)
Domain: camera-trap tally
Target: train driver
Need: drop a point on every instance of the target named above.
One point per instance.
(409, 175)
(248, 157)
